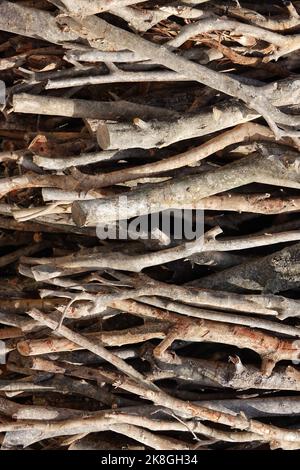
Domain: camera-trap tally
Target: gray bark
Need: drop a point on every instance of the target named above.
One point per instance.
(187, 192)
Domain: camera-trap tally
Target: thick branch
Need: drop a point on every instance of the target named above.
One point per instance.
(32, 22)
(50, 105)
(188, 191)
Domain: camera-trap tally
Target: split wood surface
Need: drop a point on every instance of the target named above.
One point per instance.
(115, 331)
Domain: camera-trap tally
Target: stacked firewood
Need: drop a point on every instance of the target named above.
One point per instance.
(115, 112)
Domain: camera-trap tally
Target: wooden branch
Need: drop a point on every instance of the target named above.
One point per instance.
(262, 203)
(35, 347)
(143, 20)
(67, 162)
(187, 410)
(271, 273)
(88, 344)
(268, 432)
(50, 105)
(278, 23)
(91, 7)
(233, 374)
(10, 224)
(148, 438)
(212, 119)
(117, 76)
(93, 55)
(54, 267)
(207, 314)
(32, 22)
(120, 421)
(93, 28)
(163, 133)
(261, 304)
(191, 329)
(21, 386)
(52, 194)
(271, 349)
(188, 191)
(203, 55)
(213, 23)
(32, 180)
